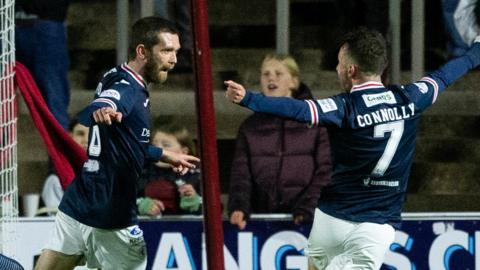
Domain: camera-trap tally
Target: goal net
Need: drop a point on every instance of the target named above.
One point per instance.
(8, 132)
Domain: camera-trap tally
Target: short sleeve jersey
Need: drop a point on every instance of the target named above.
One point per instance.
(103, 194)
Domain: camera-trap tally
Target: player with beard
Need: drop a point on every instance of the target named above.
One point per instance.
(97, 220)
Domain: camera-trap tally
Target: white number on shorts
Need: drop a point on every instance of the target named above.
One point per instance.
(95, 146)
(396, 129)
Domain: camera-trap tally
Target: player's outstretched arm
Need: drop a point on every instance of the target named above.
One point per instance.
(282, 106)
(180, 163)
(456, 68)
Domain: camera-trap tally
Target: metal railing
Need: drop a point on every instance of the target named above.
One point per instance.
(283, 32)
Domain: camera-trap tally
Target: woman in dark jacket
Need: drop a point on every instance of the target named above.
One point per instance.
(279, 165)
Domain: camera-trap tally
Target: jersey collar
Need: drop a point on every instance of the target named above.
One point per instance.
(367, 85)
(137, 77)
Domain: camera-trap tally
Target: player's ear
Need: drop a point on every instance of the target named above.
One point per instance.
(352, 71)
(141, 52)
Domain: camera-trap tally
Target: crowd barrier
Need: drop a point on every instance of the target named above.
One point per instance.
(439, 241)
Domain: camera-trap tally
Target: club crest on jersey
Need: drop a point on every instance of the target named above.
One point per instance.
(135, 231)
(375, 99)
(110, 93)
(422, 87)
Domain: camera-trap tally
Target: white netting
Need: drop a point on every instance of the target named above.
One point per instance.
(8, 132)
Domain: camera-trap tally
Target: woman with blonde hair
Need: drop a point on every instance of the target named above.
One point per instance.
(279, 165)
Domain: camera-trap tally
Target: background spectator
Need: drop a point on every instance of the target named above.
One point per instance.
(279, 165)
(52, 191)
(165, 191)
(41, 45)
(461, 18)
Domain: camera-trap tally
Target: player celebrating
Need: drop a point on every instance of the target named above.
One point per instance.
(372, 130)
(97, 219)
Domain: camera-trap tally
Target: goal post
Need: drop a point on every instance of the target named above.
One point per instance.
(8, 132)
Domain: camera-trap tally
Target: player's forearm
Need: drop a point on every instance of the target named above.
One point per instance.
(281, 106)
(456, 68)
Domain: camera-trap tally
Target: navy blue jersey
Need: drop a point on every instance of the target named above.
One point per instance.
(103, 195)
(372, 134)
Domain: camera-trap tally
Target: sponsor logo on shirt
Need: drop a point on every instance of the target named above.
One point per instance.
(375, 99)
(422, 87)
(146, 102)
(111, 93)
(327, 105)
(369, 182)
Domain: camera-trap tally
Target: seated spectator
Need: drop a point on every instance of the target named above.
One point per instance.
(52, 191)
(461, 18)
(279, 165)
(167, 192)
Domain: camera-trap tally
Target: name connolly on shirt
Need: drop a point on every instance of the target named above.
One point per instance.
(386, 115)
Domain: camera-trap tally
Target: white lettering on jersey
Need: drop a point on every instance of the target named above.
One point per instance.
(110, 71)
(111, 93)
(327, 105)
(422, 87)
(99, 88)
(91, 165)
(375, 99)
(386, 115)
(124, 82)
(146, 132)
(146, 102)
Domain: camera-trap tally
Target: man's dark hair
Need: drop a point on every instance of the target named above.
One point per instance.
(145, 31)
(368, 49)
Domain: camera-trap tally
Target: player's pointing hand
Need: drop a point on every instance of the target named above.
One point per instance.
(235, 91)
(180, 163)
(106, 115)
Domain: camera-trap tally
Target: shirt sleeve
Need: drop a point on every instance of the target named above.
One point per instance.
(154, 153)
(120, 96)
(426, 91)
(327, 111)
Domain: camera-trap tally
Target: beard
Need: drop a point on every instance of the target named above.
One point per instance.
(154, 73)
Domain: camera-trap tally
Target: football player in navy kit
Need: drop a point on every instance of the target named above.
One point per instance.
(372, 131)
(97, 218)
